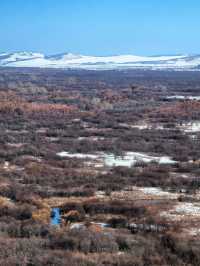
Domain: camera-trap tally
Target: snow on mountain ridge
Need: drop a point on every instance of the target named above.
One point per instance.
(68, 60)
(7, 58)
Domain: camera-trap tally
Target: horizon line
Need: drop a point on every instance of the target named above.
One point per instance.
(97, 55)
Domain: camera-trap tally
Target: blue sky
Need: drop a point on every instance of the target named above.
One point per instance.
(100, 27)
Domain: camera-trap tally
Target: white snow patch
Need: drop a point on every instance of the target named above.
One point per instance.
(91, 138)
(188, 208)
(190, 127)
(158, 192)
(182, 97)
(100, 194)
(77, 155)
(181, 211)
(193, 231)
(77, 226)
(110, 160)
(142, 126)
(102, 225)
(130, 158)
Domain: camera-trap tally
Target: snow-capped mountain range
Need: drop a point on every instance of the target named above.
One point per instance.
(73, 61)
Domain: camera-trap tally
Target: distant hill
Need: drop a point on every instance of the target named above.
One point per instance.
(68, 60)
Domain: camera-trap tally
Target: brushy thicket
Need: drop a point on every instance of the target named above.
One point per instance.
(43, 112)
